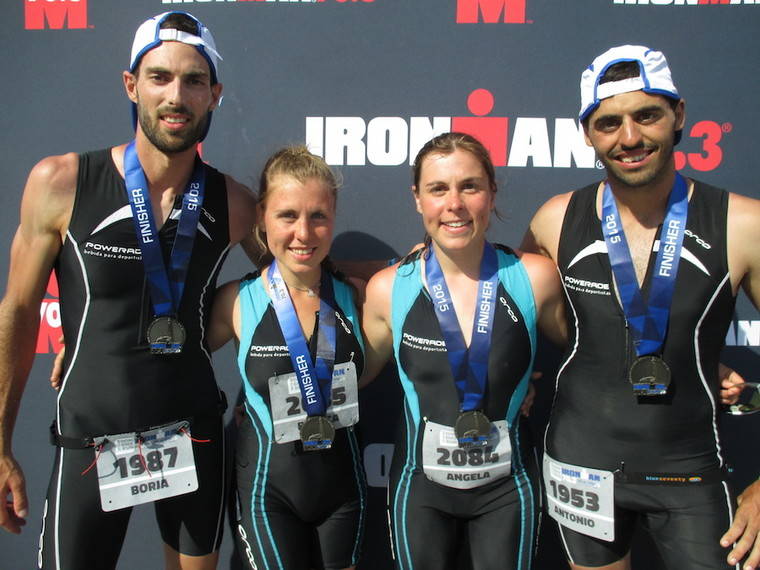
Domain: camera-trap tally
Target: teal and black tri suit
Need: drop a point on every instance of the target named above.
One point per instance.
(495, 515)
(298, 510)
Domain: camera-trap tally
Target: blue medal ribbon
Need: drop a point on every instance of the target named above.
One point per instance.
(166, 287)
(468, 366)
(314, 379)
(648, 322)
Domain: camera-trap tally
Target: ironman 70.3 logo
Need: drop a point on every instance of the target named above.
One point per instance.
(535, 141)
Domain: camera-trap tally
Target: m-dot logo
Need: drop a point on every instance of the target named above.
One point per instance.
(55, 14)
(392, 141)
(491, 12)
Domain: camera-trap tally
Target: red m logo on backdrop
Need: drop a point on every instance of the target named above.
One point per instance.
(73, 13)
(491, 11)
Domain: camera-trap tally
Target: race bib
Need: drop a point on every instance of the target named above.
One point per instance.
(580, 498)
(288, 413)
(444, 462)
(161, 466)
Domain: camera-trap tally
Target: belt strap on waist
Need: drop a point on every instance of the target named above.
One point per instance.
(69, 442)
(714, 476)
(89, 441)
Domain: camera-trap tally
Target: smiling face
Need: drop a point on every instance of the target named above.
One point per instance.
(298, 219)
(633, 135)
(455, 198)
(173, 93)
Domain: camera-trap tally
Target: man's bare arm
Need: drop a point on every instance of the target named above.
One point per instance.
(743, 235)
(548, 296)
(224, 323)
(543, 232)
(45, 213)
(376, 315)
(242, 211)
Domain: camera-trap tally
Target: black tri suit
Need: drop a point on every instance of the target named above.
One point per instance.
(664, 450)
(112, 384)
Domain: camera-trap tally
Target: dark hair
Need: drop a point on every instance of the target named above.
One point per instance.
(182, 22)
(626, 70)
(447, 143)
(619, 71)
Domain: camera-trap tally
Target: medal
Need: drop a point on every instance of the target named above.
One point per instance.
(648, 321)
(314, 376)
(317, 432)
(166, 335)
(472, 429)
(649, 375)
(468, 364)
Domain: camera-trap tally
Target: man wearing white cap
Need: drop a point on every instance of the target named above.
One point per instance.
(137, 234)
(651, 263)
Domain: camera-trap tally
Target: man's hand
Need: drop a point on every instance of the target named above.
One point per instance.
(14, 510)
(731, 384)
(527, 403)
(744, 530)
(56, 374)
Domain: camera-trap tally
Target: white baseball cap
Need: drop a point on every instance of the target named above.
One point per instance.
(654, 77)
(150, 35)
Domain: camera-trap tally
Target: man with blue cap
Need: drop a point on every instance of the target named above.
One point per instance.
(651, 263)
(137, 234)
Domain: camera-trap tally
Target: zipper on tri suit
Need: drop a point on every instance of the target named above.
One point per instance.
(142, 325)
(629, 349)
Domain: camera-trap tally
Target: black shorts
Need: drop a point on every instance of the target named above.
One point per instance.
(685, 523)
(433, 526)
(77, 533)
(298, 510)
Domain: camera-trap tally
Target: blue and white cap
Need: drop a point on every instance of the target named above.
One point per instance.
(654, 77)
(150, 35)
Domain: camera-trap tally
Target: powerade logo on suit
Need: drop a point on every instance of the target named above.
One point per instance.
(491, 12)
(392, 141)
(688, 2)
(57, 14)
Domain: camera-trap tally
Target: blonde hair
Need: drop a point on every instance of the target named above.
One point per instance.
(298, 163)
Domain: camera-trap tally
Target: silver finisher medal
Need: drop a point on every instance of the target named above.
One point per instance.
(166, 335)
(649, 375)
(317, 432)
(472, 429)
